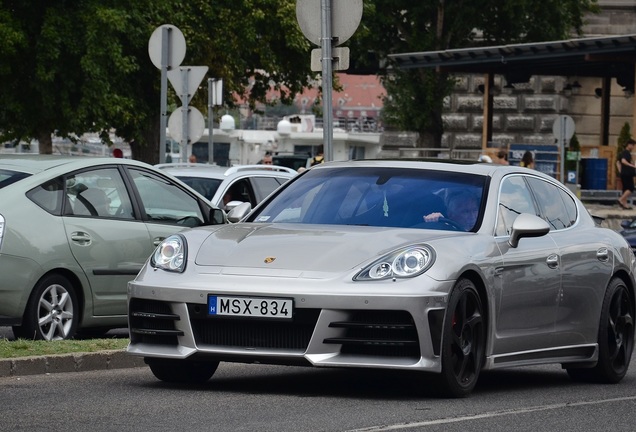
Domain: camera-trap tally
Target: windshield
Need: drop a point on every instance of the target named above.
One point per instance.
(204, 185)
(378, 196)
(8, 177)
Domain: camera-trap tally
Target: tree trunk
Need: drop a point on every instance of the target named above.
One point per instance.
(147, 150)
(45, 143)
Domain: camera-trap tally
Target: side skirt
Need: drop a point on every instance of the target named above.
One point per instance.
(584, 354)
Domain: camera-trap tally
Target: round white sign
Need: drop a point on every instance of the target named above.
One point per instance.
(196, 124)
(176, 46)
(345, 19)
(563, 125)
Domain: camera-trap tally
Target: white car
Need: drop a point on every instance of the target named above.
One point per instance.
(227, 187)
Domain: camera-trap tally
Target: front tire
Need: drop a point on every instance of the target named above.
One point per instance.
(51, 312)
(615, 337)
(182, 371)
(463, 341)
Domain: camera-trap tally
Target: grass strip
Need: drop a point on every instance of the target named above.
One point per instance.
(30, 348)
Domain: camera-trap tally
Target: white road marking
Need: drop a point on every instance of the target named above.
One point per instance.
(489, 415)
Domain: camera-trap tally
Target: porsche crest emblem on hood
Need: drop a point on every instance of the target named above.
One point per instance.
(269, 260)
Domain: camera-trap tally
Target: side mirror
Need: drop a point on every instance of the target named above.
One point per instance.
(231, 205)
(527, 225)
(239, 212)
(217, 216)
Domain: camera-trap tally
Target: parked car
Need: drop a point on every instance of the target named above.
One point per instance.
(227, 187)
(75, 230)
(629, 232)
(384, 264)
(293, 161)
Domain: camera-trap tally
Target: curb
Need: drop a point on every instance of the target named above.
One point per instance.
(76, 362)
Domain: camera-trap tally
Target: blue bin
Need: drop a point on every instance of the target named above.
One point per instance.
(594, 174)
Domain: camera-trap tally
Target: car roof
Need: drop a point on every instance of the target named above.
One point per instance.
(36, 163)
(215, 171)
(480, 168)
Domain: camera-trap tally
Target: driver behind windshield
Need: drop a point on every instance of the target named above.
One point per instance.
(462, 208)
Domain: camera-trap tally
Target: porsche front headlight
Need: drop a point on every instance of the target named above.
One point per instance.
(171, 254)
(403, 263)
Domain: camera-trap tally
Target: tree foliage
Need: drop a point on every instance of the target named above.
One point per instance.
(83, 66)
(414, 98)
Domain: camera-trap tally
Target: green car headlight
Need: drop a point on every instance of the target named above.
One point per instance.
(403, 263)
(171, 254)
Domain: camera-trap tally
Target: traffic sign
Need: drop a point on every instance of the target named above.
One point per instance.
(345, 19)
(339, 55)
(196, 124)
(563, 127)
(195, 75)
(176, 46)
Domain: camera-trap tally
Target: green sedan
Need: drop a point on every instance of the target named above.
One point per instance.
(75, 230)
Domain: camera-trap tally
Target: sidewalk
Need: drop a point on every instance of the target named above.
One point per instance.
(612, 214)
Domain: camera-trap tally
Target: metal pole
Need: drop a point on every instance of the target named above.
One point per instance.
(184, 113)
(327, 81)
(211, 120)
(163, 122)
(562, 139)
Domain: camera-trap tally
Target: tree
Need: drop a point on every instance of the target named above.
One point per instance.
(414, 98)
(75, 67)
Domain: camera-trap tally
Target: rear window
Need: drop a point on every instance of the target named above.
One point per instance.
(8, 177)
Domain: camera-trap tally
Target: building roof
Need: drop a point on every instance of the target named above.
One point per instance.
(611, 57)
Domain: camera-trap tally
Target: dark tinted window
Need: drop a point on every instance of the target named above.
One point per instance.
(390, 197)
(8, 177)
(557, 207)
(204, 185)
(264, 186)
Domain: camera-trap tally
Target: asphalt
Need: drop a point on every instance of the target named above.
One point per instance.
(612, 216)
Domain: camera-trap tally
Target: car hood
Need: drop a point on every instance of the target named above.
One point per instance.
(298, 249)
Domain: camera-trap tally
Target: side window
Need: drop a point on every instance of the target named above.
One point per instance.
(264, 186)
(49, 196)
(98, 193)
(164, 202)
(570, 206)
(241, 190)
(552, 204)
(514, 198)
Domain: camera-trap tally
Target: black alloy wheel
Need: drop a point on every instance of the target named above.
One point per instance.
(463, 341)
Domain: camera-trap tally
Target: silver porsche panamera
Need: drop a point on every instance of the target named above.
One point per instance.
(430, 267)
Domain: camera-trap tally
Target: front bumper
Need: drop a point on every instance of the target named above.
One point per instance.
(398, 327)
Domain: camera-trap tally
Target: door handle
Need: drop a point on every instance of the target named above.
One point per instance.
(552, 261)
(81, 238)
(602, 254)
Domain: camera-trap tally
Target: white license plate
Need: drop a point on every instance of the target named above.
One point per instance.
(255, 307)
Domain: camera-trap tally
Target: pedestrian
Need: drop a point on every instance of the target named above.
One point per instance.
(628, 170)
(319, 158)
(192, 158)
(527, 160)
(502, 157)
(268, 159)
